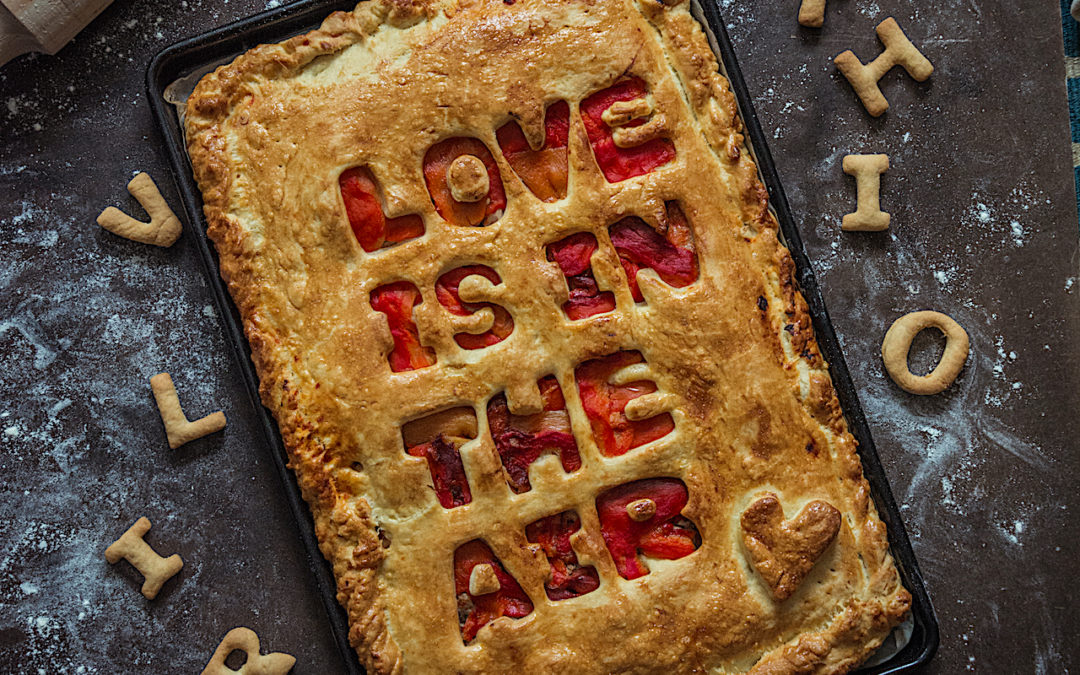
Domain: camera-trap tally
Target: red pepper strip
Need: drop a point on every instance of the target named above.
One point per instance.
(621, 163)
(573, 255)
(447, 471)
(667, 535)
(569, 578)
(372, 228)
(438, 159)
(446, 290)
(640, 246)
(543, 171)
(521, 439)
(510, 600)
(604, 404)
(551, 393)
(396, 301)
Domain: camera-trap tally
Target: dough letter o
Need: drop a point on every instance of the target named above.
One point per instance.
(894, 351)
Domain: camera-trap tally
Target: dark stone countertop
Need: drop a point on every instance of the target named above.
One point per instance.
(984, 229)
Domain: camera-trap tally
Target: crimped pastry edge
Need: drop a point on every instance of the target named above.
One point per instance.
(345, 530)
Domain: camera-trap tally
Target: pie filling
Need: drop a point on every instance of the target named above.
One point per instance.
(573, 255)
(604, 404)
(438, 159)
(476, 611)
(656, 532)
(543, 171)
(568, 578)
(396, 301)
(522, 439)
(669, 252)
(446, 290)
(438, 438)
(618, 164)
(447, 471)
(373, 230)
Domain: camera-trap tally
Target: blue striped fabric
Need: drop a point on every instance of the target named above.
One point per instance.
(1072, 73)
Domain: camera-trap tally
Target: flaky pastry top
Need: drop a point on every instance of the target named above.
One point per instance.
(732, 355)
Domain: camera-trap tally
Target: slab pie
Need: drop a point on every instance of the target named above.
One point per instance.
(518, 304)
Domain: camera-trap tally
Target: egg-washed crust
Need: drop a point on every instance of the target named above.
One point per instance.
(755, 411)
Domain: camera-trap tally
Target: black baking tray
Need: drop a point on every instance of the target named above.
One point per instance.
(198, 54)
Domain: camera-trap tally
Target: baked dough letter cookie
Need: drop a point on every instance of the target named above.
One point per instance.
(894, 351)
(812, 13)
(245, 640)
(898, 52)
(155, 569)
(163, 228)
(868, 216)
(177, 427)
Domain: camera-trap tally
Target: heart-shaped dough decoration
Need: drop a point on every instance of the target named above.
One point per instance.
(784, 551)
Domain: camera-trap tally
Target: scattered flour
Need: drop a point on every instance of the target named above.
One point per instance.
(1017, 232)
(1011, 532)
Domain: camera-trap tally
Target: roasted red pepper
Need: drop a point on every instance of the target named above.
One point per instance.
(543, 171)
(670, 253)
(372, 228)
(521, 439)
(617, 163)
(604, 404)
(666, 534)
(573, 255)
(446, 290)
(438, 160)
(396, 301)
(569, 579)
(474, 612)
(447, 471)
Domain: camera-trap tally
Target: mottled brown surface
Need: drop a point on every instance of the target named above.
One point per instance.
(985, 471)
(301, 284)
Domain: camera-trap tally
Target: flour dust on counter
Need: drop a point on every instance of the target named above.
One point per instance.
(986, 471)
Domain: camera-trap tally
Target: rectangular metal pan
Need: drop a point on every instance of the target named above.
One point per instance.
(172, 74)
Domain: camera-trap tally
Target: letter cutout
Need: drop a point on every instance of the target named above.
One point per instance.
(605, 405)
(573, 255)
(372, 229)
(521, 439)
(447, 178)
(568, 578)
(898, 52)
(669, 251)
(543, 170)
(438, 438)
(446, 290)
(868, 216)
(155, 569)
(178, 430)
(164, 227)
(812, 13)
(245, 640)
(396, 301)
(665, 534)
(476, 611)
(897, 344)
(624, 143)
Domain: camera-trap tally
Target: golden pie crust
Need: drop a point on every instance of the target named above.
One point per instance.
(759, 439)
